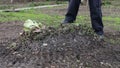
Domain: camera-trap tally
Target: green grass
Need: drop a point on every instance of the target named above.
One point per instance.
(47, 18)
(53, 19)
(115, 19)
(30, 14)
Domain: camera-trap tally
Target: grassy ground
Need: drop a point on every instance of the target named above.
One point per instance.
(30, 14)
(53, 16)
(63, 47)
(30, 4)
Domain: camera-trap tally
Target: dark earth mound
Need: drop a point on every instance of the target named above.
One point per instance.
(67, 46)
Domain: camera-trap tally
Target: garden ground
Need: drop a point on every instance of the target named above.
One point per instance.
(72, 46)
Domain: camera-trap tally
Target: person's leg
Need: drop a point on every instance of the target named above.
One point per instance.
(96, 16)
(72, 10)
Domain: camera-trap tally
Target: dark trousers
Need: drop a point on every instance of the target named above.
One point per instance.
(95, 13)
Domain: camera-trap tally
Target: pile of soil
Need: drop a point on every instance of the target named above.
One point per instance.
(68, 46)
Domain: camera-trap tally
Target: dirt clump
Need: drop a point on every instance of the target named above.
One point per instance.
(68, 46)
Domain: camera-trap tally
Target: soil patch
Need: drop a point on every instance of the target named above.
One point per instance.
(63, 47)
(10, 31)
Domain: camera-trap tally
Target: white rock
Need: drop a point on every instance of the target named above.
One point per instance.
(45, 44)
